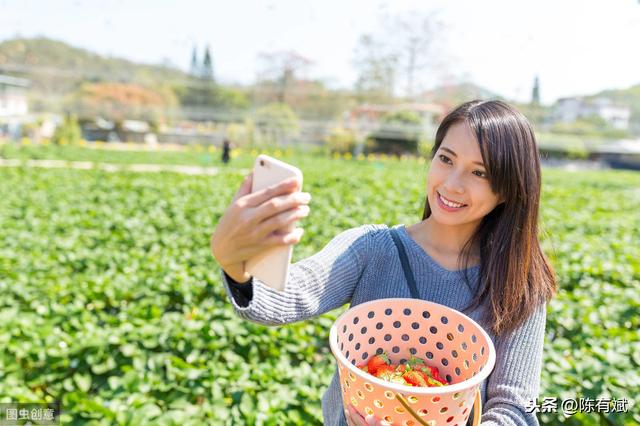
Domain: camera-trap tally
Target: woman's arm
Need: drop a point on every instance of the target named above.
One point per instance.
(315, 285)
(515, 380)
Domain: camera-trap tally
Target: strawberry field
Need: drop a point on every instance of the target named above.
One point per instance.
(111, 302)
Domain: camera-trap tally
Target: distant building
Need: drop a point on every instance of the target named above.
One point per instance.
(13, 96)
(568, 110)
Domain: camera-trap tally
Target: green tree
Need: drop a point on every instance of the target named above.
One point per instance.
(277, 123)
(68, 132)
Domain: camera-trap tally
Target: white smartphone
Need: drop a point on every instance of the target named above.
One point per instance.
(272, 266)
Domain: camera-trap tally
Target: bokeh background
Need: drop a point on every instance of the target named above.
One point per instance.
(113, 120)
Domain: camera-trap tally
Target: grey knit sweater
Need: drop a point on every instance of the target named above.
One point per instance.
(362, 264)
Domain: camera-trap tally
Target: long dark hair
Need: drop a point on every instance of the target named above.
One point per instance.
(515, 276)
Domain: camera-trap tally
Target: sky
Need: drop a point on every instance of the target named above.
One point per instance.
(575, 47)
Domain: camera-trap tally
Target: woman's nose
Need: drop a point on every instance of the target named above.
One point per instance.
(454, 183)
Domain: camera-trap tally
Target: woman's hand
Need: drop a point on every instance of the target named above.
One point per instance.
(256, 222)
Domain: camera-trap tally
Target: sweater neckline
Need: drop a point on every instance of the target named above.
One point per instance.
(435, 265)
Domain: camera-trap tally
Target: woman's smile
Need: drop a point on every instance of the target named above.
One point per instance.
(449, 205)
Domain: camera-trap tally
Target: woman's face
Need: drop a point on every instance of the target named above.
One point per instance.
(458, 189)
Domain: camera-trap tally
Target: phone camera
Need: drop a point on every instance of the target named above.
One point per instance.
(262, 162)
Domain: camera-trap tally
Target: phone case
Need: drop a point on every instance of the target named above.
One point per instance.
(272, 266)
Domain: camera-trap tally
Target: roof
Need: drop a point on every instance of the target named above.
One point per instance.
(8, 80)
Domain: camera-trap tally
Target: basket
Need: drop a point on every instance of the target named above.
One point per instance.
(445, 338)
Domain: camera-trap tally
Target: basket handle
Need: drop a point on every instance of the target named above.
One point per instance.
(477, 409)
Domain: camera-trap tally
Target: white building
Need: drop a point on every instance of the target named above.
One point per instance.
(13, 96)
(568, 110)
(14, 106)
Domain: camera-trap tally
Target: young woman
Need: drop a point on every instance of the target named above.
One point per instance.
(476, 250)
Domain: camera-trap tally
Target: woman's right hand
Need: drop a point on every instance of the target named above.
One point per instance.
(258, 221)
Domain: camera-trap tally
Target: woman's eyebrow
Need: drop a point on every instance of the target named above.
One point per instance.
(444, 148)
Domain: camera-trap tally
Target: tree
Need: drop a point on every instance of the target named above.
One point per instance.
(376, 70)
(207, 66)
(279, 72)
(195, 67)
(277, 122)
(535, 94)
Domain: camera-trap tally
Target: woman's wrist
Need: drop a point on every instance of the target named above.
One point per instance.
(237, 273)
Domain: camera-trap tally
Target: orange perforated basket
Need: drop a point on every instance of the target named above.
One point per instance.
(443, 337)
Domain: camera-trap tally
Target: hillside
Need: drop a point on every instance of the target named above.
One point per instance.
(54, 67)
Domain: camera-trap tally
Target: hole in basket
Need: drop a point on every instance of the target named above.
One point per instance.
(379, 351)
(403, 360)
(341, 346)
(413, 351)
(388, 311)
(347, 384)
(365, 355)
(357, 346)
(368, 387)
(388, 419)
(371, 314)
(387, 337)
(444, 320)
(445, 362)
(353, 362)
(423, 340)
(482, 350)
(354, 401)
(457, 371)
(415, 325)
(407, 311)
(379, 326)
(426, 314)
(429, 355)
(466, 364)
(449, 419)
(388, 394)
(346, 355)
(412, 399)
(454, 353)
(399, 409)
(450, 337)
(465, 411)
(351, 337)
(377, 403)
(395, 349)
(372, 340)
(474, 339)
(443, 410)
(435, 399)
(369, 411)
(405, 337)
(397, 324)
(363, 330)
(360, 394)
(474, 357)
(356, 320)
(439, 345)
(460, 328)
(449, 378)
(423, 412)
(433, 329)
(456, 395)
(344, 328)
(409, 423)
(464, 346)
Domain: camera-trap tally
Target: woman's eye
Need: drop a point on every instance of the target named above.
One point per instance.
(445, 159)
(480, 173)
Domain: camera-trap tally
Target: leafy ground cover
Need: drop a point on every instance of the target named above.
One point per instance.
(111, 302)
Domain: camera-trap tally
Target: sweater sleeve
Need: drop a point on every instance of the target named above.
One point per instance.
(515, 380)
(315, 285)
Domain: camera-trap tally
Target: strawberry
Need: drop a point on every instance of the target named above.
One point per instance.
(376, 362)
(384, 369)
(415, 378)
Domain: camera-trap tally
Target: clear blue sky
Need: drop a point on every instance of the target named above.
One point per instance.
(576, 47)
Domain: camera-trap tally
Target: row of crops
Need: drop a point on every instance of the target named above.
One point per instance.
(111, 302)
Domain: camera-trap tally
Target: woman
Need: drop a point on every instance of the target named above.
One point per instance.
(476, 250)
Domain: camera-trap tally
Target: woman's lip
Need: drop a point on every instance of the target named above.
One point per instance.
(444, 207)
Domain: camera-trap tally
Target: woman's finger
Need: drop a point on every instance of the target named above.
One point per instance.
(285, 187)
(281, 221)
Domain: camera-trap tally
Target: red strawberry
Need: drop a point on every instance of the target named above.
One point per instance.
(376, 362)
(384, 369)
(415, 378)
